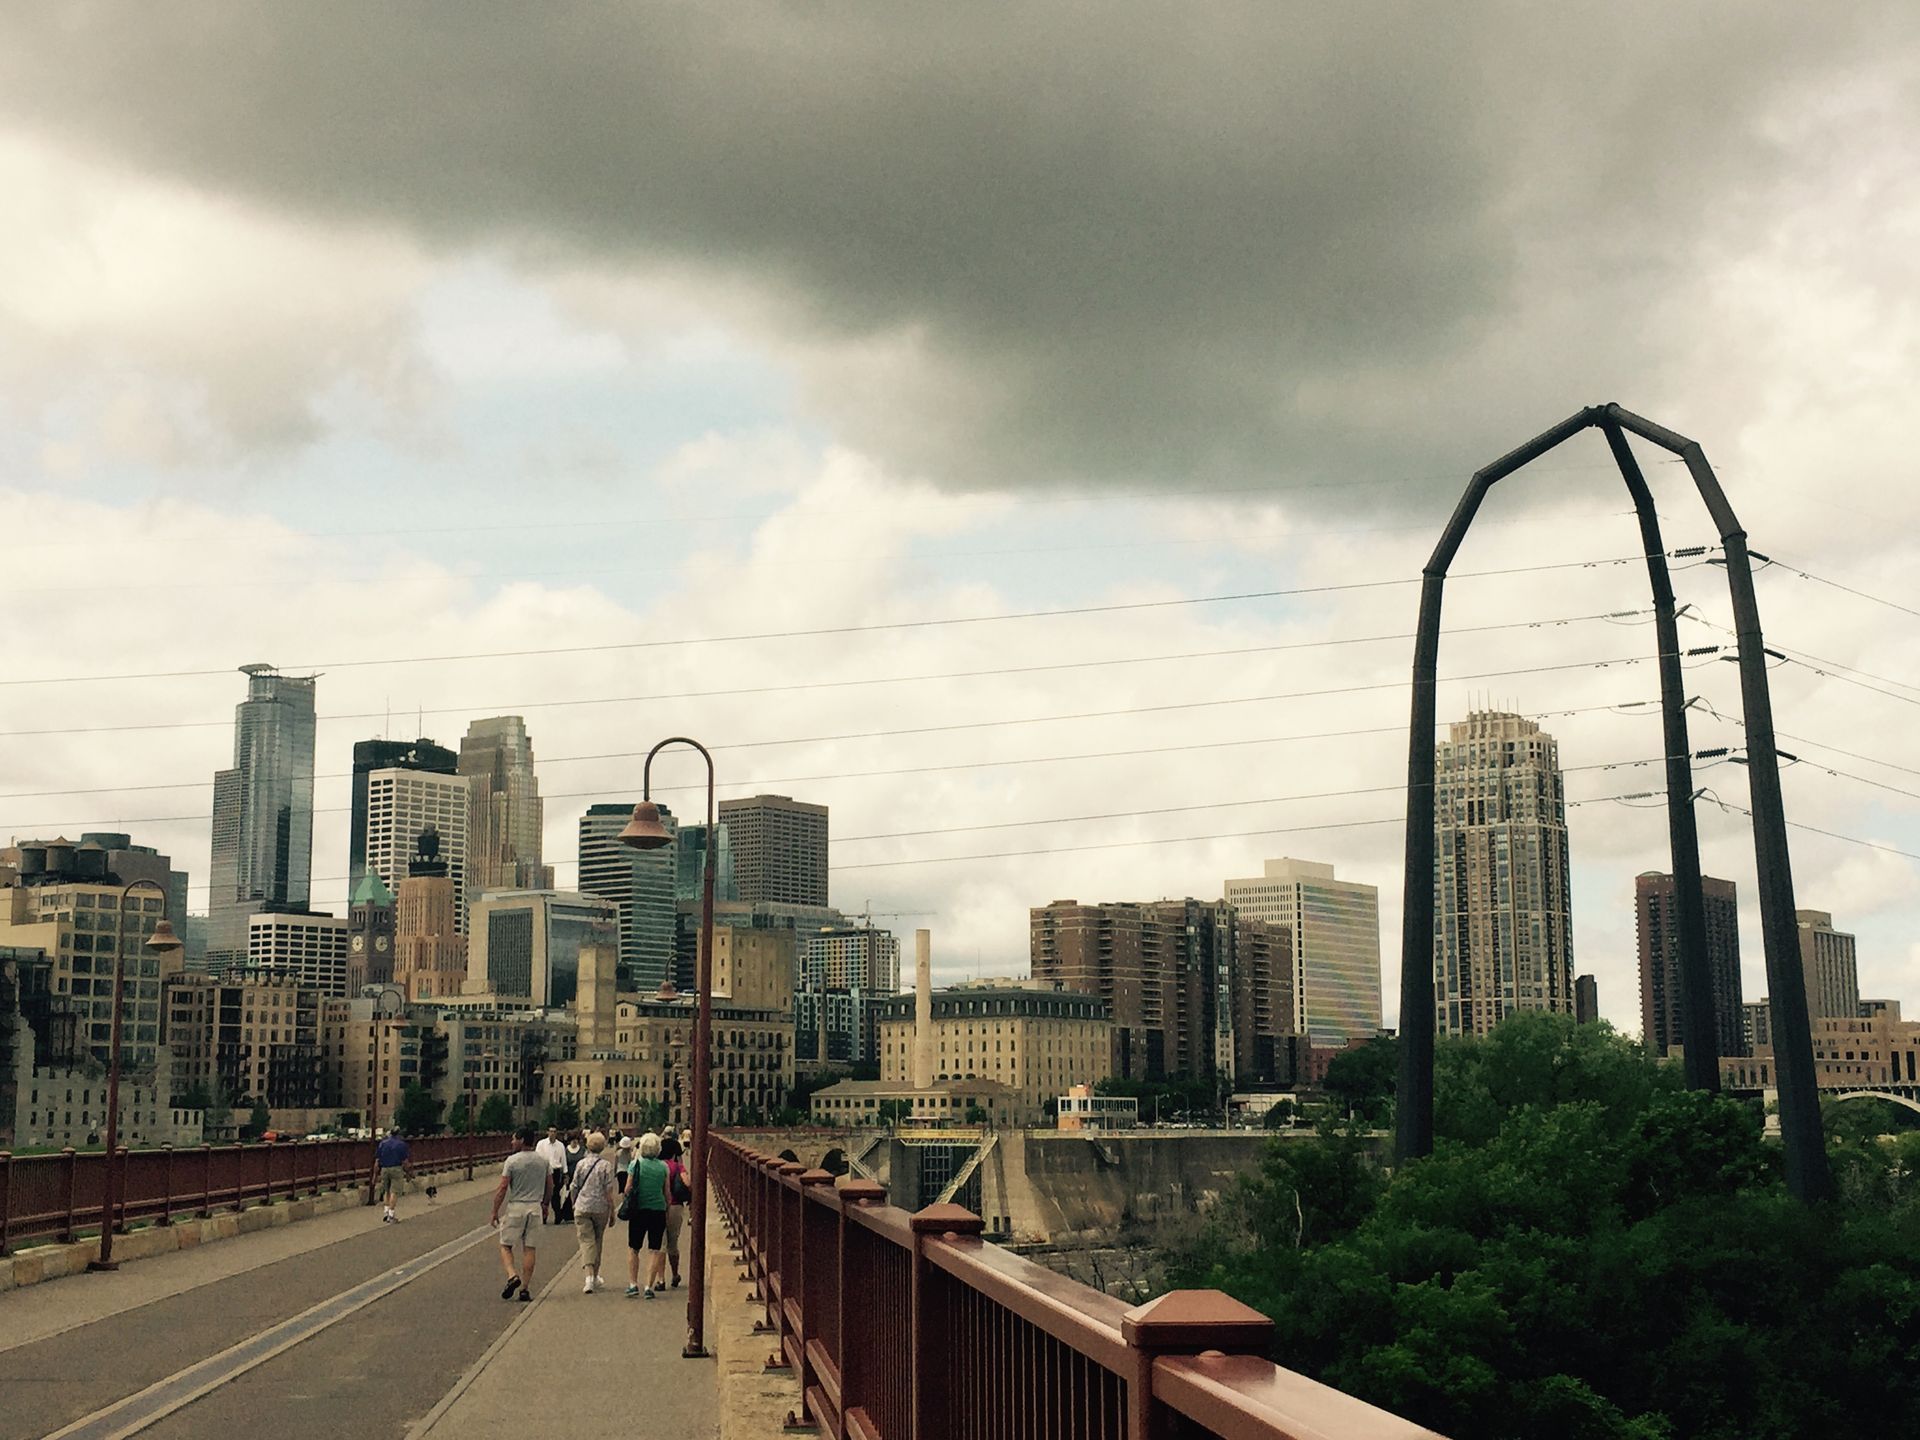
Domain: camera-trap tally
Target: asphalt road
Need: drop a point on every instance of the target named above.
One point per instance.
(369, 1374)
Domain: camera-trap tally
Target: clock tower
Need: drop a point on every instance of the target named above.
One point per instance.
(370, 919)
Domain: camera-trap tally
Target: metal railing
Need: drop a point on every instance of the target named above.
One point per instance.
(55, 1197)
(906, 1326)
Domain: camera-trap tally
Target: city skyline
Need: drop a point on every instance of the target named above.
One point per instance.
(580, 425)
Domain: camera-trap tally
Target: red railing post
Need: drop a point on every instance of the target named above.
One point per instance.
(73, 1180)
(1183, 1322)
(819, 1287)
(853, 1194)
(6, 1195)
(166, 1185)
(206, 1180)
(932, 1328)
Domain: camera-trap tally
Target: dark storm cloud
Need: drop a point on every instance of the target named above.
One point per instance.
(1047, 244)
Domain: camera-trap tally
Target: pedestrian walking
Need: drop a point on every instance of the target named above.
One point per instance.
(525, 1181)
(576, 1151)
(679, 1192)
(553, 1150)
(393, 1167)
(645, 1207)
(592, 1195)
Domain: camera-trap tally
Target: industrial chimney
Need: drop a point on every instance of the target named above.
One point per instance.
(922, 1009)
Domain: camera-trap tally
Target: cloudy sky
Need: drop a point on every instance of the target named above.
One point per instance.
(346, 336)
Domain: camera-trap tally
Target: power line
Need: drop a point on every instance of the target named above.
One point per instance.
(503, 706)
(1119, 713)
(1772, 562)
(1816, 830)
(760, 782)
(922, 624)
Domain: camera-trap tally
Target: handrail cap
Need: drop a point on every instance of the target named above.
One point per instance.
(1197, 1320)
(813, 1177)
(940, 1219)
(863, 1191)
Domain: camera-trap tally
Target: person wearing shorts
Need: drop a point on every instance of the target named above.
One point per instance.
(646, 1206)
(525, 1181)
(392, 1159)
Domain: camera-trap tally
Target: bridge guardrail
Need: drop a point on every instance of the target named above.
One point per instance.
(911, 1327)
(54, 1197)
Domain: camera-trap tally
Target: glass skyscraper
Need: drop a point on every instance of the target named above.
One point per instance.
(262, 811)
(640, 883)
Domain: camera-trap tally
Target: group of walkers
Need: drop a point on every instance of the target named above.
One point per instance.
(597, 1183)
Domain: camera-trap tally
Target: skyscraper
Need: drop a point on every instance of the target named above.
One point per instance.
(690, 848)
(1828, 958)
(1658, 923)
(526, 944)
(429, 954)
(403, 803)
(1194, 988)
(371, 755)
(503, 836)
(779, 848)
(1336, 944)
(640, 883)
(262, 811)
(1503, 921)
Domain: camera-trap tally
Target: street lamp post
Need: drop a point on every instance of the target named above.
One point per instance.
(646, 832)
(162, 941)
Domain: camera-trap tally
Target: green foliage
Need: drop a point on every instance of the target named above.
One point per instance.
(1162, 1100)
(496, 1114)
(1591, 1253)
(599, 1114)
(894, 1112)
(1279, 1115)
(219, 1110)
(1361, 1081)
(195, 1097)
(459, 1121)
(976, 1114)
(418, 1113)
(259, 1121)
(562, 1114)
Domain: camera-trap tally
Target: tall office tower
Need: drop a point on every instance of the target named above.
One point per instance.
(372, 755)
(525, 944)
(305, 946)
(403, 803)
(1756, 1026)
(779, 848)
(370, 921)
(1832, 970)
(1336, 944)
(503, 836)
(1193, 988)
(262, 811)
(850, 957)
(429, 952)
(1586, 999)
(640, 883)
(690, 848)
(1503, 918)
(1657, 916)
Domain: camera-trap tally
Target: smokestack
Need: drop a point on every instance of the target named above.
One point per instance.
(922, 1009)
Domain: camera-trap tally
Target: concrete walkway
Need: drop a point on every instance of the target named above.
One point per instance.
(432, 1352)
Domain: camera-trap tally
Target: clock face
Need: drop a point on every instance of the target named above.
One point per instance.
(380, 943)
(359, 943)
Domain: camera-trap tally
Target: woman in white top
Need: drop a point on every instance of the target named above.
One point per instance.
(594, 1194)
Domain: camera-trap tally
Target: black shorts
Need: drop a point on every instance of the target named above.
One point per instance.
(646, 1229)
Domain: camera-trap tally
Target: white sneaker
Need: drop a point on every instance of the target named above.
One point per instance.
(598, 1283)
(588, 1288)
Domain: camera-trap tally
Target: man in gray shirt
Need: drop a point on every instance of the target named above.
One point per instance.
(524, 1183)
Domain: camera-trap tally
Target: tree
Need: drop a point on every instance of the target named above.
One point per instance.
(195, 1097)
(459, 1120)
(894, 1112)
(418, 1113)
(976, 1114)
(1590, 1253)
(219, 1112)
(1362, 1079)
(561, 1114)
(259, 1121)
(1279, 1115)
(496, 1114)
(599, 1114)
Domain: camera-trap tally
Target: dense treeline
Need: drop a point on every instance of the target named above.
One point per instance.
(1592, 1253)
